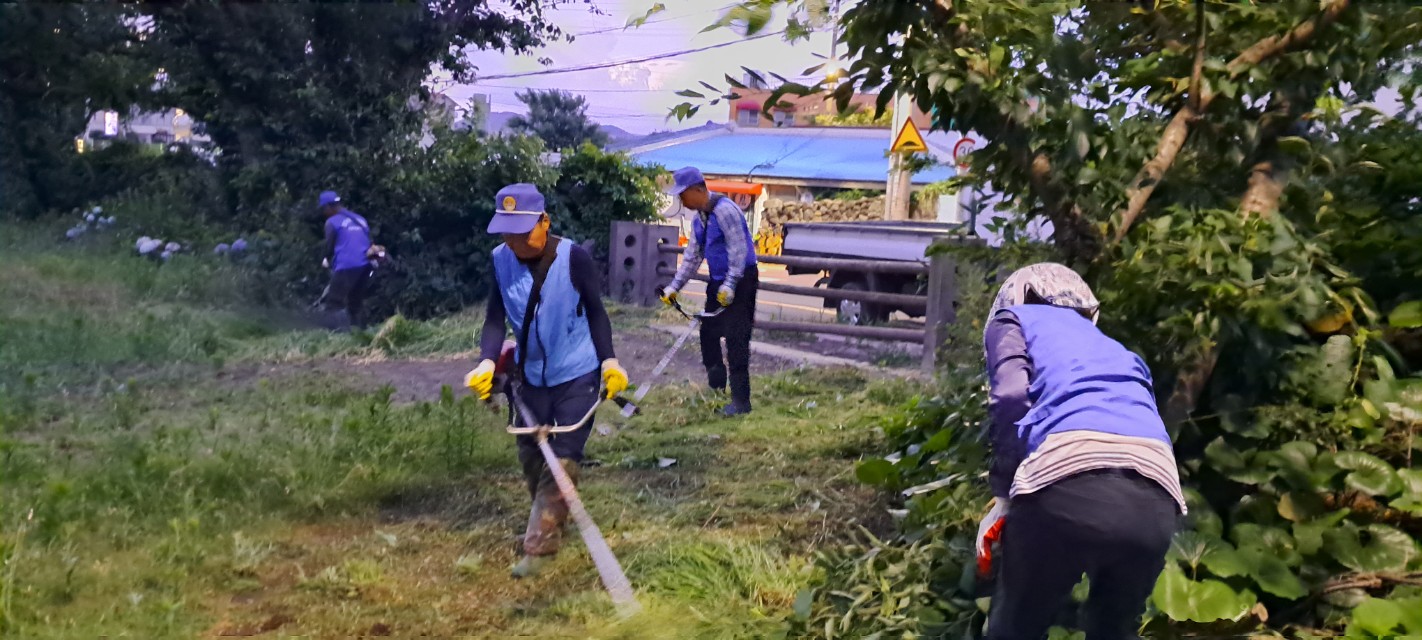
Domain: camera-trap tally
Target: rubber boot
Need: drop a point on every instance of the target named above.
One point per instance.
(546, 521)
(740, 395)
(716, 377)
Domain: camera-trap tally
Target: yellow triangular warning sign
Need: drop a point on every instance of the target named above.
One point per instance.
(909, 139)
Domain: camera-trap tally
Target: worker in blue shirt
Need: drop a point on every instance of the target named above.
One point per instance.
(347, 256)
(721, 236)
(550, 296)
(1083, 471)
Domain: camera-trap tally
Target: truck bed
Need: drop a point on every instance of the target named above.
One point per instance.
(905, 240)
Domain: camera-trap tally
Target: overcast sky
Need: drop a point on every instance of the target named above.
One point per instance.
(636, 97)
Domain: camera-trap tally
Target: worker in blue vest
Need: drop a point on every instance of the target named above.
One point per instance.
(1083, 471)
(721, 236)
(550, 296)
(347, 250)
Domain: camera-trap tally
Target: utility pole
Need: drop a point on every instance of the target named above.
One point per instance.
(898, 192)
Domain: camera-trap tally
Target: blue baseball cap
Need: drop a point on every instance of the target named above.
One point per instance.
(517, 209)
(329, 197)
(685, 178)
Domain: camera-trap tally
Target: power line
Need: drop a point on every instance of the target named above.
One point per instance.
(509, 86)
(618, 63)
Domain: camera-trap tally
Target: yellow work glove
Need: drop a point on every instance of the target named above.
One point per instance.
(668, 296)
(614, 377)
(725, 295)
(481, 379)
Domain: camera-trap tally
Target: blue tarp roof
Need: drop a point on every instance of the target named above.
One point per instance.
(804, 154)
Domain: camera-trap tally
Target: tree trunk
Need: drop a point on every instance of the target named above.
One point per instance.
(1173, 139)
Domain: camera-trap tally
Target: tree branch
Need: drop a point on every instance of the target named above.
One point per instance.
(1178, 129)
(1197, 72)
(1189, 384)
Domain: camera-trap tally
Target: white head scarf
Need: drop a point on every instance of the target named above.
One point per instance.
(1052, 283)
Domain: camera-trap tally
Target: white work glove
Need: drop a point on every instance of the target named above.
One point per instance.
(668, 296)
(481, 379)
(725, 295)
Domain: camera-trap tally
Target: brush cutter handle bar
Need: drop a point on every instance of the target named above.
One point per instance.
(527, 415)
(701, 315)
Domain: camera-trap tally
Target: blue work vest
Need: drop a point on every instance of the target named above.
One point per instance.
(1082, 380)
(713, 240)
(352, 240)
(562, 347)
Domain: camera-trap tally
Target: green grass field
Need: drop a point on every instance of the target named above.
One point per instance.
(175, 464)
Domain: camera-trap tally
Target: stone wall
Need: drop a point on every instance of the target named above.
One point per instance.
(778, 212)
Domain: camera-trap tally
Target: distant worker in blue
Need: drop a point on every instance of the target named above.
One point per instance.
(721, 236)
(549, 294)
(348, 256)
(1083, 469)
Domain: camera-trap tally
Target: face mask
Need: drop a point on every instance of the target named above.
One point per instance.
(530, 245)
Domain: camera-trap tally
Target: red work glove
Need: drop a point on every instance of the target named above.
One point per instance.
(989, 535)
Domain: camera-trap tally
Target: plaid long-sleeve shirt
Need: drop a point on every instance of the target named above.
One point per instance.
(732, 222)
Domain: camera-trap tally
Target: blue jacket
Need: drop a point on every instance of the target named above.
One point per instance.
(347, 238)
(562, 346)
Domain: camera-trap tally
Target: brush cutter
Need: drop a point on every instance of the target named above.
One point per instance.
(613, 578)
(630, 408)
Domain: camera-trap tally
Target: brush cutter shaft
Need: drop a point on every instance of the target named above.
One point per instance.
(613, 578)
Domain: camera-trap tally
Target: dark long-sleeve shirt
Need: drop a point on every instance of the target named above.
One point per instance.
(1009, 380)
(589, 287)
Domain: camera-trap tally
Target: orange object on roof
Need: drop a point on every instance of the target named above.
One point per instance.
(729, 186)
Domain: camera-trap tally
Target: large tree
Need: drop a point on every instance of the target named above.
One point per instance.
(300, 95)
(62, 62)
(1218, 172)
(559, 118)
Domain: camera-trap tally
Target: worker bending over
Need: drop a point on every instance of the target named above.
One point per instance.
(550, 296)
(1083, 468)
(722, 237)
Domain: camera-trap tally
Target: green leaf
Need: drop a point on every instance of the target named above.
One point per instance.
(1370, 474)
(1385, 548)
(1272, 574)
(1273, 540)
(874, 472)
(1407, 315)
(1411, 480)
(1300, 506)
(1331, 378)
(1202, 516)
(637, 21)
(1382, 618)
(688, 93)
(804, 602)
(1191, 547)
(1308, 536)
(1181, 598)
(1295, 145)
(1223, 560)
